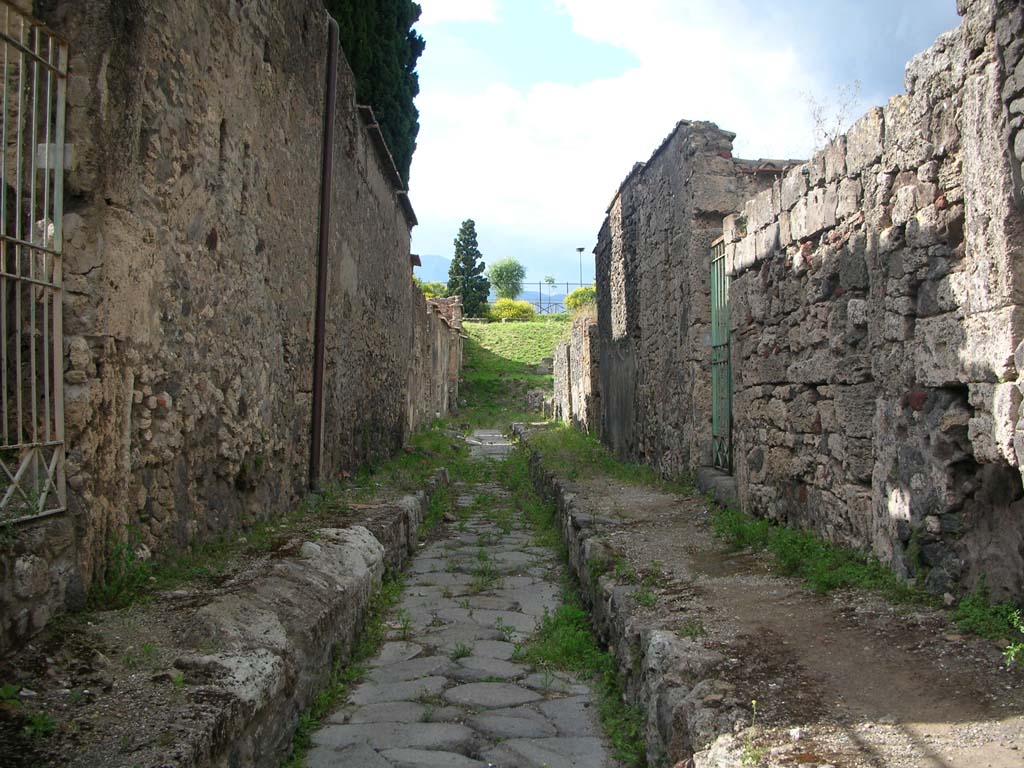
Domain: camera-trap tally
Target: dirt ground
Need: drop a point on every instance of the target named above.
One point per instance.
(845, 679)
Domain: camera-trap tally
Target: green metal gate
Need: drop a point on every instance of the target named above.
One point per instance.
(32, 94)
(721, 368)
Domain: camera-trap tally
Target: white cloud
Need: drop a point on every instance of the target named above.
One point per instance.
(441, 11)
(546, 159)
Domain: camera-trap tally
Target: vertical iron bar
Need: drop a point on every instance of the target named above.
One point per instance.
(17, 233)
(3, 231)
(58, 271)
(326, 173)
(33, 290)
(47, 293)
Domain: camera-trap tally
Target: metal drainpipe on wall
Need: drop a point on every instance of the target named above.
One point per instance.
(326, 170)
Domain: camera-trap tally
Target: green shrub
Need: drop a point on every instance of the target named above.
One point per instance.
(581, 298)
(511, 309)
(430, 290)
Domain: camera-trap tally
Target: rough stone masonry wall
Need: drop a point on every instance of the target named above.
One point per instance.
(876, 311)
(577, 388)
(191, 241)
(653, 300)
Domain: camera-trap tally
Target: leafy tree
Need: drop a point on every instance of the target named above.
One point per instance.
(382, 49)
(430, 289)
(466, 274)
(551, 287)
(507, 277)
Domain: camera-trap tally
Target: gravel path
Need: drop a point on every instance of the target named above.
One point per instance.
(444, 691)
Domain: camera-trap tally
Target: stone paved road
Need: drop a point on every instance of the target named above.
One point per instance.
(445, 692)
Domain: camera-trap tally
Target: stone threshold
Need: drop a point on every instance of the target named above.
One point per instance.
(721, 485)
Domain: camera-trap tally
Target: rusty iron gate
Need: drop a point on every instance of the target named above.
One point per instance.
(721, 365)
(35, 66)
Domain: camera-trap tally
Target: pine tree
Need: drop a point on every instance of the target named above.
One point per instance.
(466, 274)
(382, 48)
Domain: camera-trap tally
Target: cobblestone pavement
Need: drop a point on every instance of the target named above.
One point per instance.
(445, 691)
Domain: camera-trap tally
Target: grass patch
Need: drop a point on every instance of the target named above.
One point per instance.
(499, 368)
(996, 621)
(130, 579)
(39, 725)
(565, 641)
(645, 597)
(344, 676)
(441, 502)
(577, 456)
(692, 629)
(520, 344)
(411, 468)
(822, 565)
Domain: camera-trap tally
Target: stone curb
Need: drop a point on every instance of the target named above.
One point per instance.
(281, 635)
(666, 676)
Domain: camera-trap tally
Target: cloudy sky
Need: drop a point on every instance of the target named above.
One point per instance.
(532, 111)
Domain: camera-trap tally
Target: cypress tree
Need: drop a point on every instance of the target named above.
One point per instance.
(466, 273)
(382, 49)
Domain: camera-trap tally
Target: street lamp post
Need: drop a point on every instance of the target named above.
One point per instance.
(580, 252)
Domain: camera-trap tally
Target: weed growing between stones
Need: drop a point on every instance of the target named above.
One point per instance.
(440, 505)
(125, 581)
(623, 570)
(753, 755)
(564, 640)
(507, 630)
(343, 677)
(460, 651)
(485, 577)
(8, 535)
(404, 624)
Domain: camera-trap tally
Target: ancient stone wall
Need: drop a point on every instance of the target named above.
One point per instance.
(191, 241)
(876, 312)
(433, 389)
(561, 406)
(653, 295)
(577, 386)
(876, 316)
